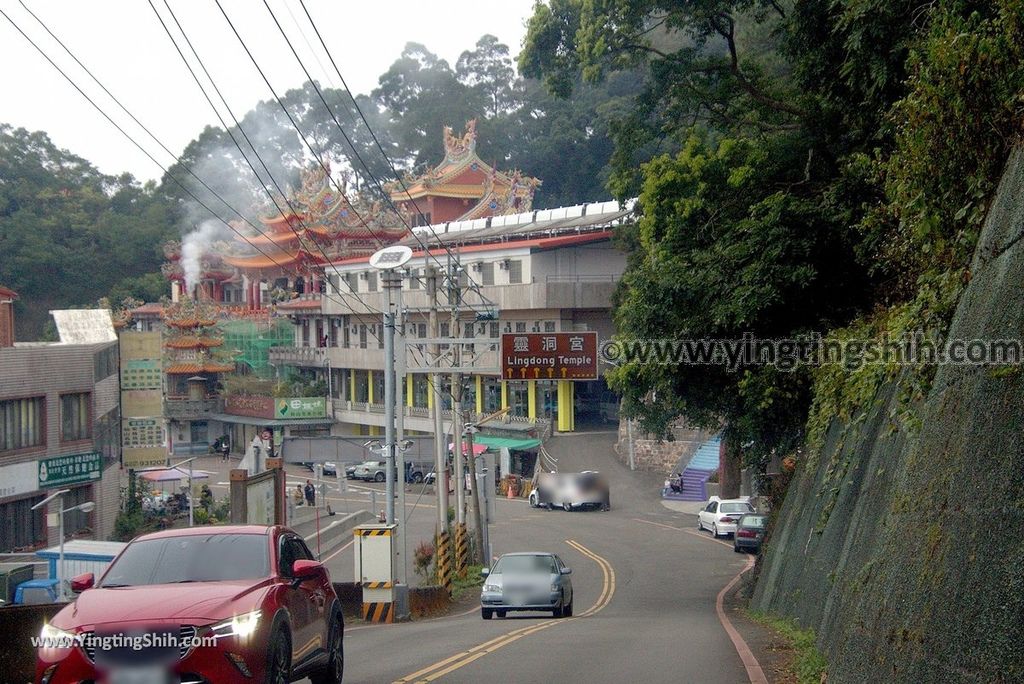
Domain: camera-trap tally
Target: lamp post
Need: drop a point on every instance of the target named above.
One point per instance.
(86, 507)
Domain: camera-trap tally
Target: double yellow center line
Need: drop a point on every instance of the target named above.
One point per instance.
(459, 660)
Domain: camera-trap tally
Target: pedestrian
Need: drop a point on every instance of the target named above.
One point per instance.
(206, 498)
(297, 495)
(225, 448)
(310, 494)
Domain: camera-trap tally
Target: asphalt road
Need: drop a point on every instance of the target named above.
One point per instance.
(645, 581)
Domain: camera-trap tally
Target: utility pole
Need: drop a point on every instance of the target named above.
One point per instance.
(403, 538)
(454, 300)
(440, 443)
(389, 401)
(477, 517)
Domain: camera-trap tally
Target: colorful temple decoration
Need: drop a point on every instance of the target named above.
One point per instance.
(249, 268)
(191, 345)
(463, 186)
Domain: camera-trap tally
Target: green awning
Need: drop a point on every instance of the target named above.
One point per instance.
(506, 442)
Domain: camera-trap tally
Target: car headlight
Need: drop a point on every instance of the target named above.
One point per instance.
(54, 637)
(240, 625)
(495, 588)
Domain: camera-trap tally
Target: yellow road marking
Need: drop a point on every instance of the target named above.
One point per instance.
(459, 660)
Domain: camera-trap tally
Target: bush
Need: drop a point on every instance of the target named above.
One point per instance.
(129, 525)
(422, 558)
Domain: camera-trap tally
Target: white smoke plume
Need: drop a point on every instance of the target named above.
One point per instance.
(193, 246)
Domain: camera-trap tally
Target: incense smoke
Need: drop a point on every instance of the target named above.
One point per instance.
(193, 247)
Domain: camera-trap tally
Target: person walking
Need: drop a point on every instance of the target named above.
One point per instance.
(310, 494)
(225, 448)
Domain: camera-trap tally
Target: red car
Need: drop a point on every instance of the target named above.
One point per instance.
(207, 605)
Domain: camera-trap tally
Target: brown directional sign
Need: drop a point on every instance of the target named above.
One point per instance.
(549, 356)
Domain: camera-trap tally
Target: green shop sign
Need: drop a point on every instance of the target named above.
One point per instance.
(68, 470)
(300, 407)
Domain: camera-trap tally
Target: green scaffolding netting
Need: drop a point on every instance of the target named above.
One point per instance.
(249, 341)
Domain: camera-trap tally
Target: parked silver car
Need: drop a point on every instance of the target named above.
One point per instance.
(527, 581)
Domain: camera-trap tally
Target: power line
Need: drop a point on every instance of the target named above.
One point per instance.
(398, 176)
(241, 130)
(146, 152)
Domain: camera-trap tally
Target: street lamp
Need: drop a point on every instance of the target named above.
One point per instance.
(86, 507)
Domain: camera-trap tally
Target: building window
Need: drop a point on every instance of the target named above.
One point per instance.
(22, 423)
(346, 333)
(353, 282)
(520, 326)
(77, 521)
(414, 279)
(333, 280)
(492, 394)
(421, 329)
(362, 337)
(75, 420)
(334, 332)
(305, 332)
(463, 277)
(23, 528)
(420, 390)
(549, 326)
(105, 363)
(515, 271)
(487, 273)
(371, 281)
(494, 328)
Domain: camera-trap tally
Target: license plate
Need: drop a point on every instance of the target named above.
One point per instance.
(139, 675)
(517, 599)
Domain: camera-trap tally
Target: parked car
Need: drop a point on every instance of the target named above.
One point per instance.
(430, 477)
(749, 532)
(571, 491)
(720, 515)
(527, 581)
(237, 603)
(371, 470)
(350, 471)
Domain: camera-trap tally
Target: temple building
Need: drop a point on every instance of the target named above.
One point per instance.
(462, 187)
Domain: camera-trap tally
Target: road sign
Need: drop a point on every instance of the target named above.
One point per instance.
(391, 257)
(549, 356)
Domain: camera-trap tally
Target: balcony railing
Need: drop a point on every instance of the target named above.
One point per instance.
(411, 411)
(300, 356)
(185, 409)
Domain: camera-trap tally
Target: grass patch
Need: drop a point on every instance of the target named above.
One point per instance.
(808, 665)
(471, 581)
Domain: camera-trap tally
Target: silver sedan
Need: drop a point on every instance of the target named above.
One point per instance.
(527, 581)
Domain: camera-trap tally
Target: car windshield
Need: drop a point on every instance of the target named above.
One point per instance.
(192, 558)
(753, 521)
(736, 508)
(525, 565)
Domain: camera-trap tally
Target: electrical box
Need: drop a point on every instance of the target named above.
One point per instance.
(375, 555)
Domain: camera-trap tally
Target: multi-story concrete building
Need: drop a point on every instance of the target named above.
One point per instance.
(59, 428)
(542, 271)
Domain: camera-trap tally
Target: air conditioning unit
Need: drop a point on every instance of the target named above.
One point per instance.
(504, 264)
(536, 327)
(478, 266)
(363, 275)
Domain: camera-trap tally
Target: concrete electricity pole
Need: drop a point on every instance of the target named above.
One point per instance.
(454, 300)
(477, 517)
(440, 443)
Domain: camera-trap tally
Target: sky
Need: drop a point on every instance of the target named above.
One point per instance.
(123, 44)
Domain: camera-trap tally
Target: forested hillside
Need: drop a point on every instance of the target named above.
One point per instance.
(822, 167)
(70, 235)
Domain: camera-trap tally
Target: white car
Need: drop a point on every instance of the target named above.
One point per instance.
(721, 515)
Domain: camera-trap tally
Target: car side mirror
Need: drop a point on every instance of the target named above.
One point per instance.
(82, 582)
(566, 571)
(484, 572)
(306, 569)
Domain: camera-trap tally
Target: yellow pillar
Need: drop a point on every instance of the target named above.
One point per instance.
(351, 384)
(409, 381)
(430, 392)
(479, 394)
(504, 394)
(566, 406)
(531, 399)
(369, 386)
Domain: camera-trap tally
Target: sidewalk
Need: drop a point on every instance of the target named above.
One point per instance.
(687, 507)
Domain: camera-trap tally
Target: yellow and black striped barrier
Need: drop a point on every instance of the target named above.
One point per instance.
(373, 533)
(379, 612)
(378, 585)
(444, 561)
(461, 550)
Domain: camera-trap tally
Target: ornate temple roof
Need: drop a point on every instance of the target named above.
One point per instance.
(464, 175)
